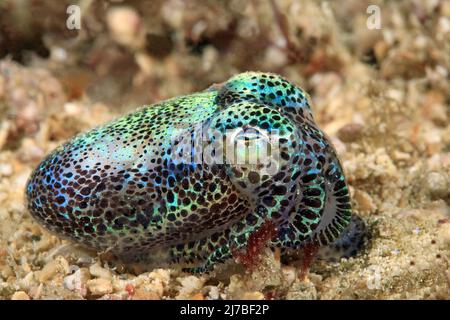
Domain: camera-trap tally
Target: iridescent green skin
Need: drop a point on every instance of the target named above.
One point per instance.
(120, 188)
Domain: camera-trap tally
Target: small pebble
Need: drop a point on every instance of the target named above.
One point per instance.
(444, 234)
(142, 294)
(77, 281)
(6, 169)
(213, 293)
(256, 295)
(350, 132)
(36, 291)
(20, 295)
(98, 271)
(302, 290)
(289, 274)
(99, 287)
(53, 268)
(198, 296)
(126, 27)
(364, 201)
(190, 285)
(437, 185)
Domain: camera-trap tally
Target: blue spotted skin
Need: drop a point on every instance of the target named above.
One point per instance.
(120, 187)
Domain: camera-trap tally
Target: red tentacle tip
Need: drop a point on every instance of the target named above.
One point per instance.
(257, 241)
(309, 253)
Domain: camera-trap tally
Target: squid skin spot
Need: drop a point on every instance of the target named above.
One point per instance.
(279, 190)
(313, 192)
(308, 178)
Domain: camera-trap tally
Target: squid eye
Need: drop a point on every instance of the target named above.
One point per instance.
(250, 134)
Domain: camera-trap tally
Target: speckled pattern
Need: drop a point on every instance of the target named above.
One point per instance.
(120, 188)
